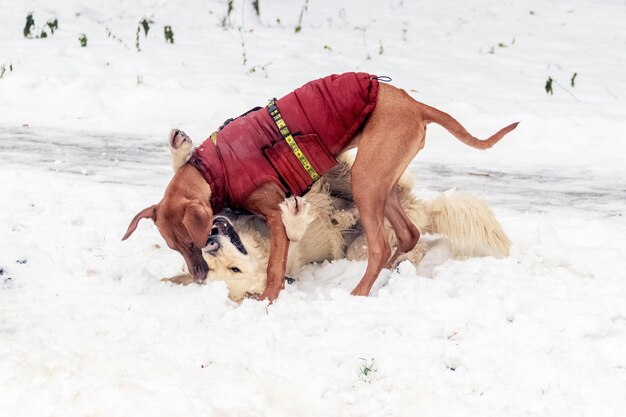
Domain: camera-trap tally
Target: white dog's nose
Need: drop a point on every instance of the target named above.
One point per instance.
(212, 246)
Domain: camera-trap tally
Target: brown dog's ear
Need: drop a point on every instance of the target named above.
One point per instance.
(147, 213)
(197, 220)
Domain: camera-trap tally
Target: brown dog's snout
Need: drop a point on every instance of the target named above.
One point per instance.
(202, 268)
(199, 269)
(196, 265)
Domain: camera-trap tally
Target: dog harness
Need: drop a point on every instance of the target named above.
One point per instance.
(290, 143)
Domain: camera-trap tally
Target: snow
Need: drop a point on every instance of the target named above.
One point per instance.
(87, 328)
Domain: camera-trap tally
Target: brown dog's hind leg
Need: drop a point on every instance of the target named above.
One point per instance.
(390, 139)
(371, 204)
(407, 234)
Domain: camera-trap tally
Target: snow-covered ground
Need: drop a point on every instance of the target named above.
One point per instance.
(87, 328)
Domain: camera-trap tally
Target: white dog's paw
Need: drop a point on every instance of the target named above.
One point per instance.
(297, 215)
(179, 141)
(181, 148)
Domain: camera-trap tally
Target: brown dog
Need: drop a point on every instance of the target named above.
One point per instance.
(387, 139)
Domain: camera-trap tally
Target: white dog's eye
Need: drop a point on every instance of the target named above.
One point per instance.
(235, 270)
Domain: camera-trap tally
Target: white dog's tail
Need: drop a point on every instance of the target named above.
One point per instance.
(468, 225)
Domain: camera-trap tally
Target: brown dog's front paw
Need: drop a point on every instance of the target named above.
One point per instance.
(270, 294)
(361, 290)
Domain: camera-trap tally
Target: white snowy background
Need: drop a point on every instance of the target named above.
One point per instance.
(87, 328)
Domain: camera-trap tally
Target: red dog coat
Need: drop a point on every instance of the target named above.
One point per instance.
(322, 115)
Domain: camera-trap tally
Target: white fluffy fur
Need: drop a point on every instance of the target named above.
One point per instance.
(468, 224)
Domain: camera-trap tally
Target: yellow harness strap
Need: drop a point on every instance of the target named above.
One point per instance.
(286, 134)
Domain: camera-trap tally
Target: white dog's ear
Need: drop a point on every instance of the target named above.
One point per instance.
(147, 213)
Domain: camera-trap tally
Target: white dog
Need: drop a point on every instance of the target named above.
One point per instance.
(324, 225)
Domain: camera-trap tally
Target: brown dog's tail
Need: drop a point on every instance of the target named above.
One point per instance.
(453, 126)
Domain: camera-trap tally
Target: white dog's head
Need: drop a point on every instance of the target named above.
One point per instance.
(240, 260)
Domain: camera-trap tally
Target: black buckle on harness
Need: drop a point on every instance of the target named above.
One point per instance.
(227, 121)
